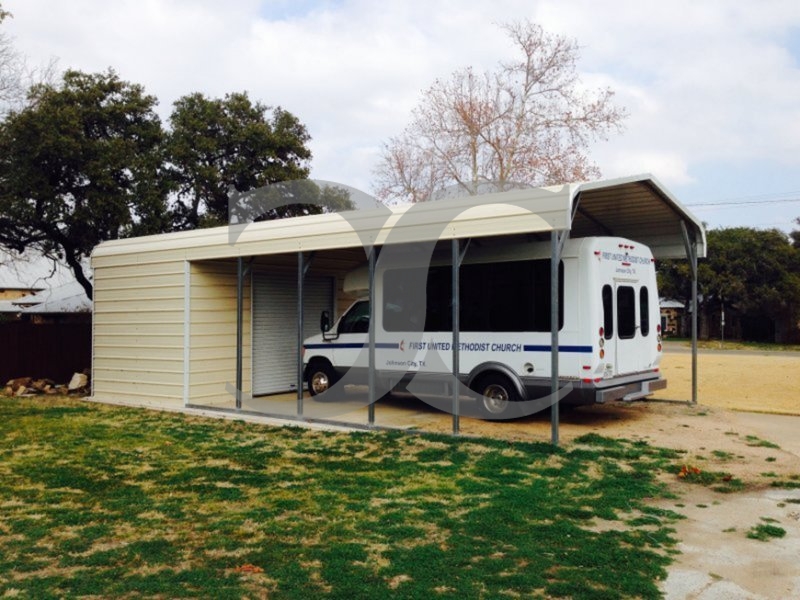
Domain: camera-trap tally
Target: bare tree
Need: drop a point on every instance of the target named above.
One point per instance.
(9, 66)
(16, 76)
(528, 122)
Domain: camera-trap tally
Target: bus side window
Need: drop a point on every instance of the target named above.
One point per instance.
(608, 312)
(644, 310)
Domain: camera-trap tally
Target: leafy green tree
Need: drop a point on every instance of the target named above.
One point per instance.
(795, 235)
(296, 198)
(79, 165)
(757, 271)
(223, 147)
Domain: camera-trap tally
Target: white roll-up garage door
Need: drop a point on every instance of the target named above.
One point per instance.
(275, 326)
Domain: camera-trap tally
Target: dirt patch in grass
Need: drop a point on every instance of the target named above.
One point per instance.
(736, 380)
(713, 439)
(716, 434)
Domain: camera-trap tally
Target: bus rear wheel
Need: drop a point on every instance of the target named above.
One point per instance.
(498, 397)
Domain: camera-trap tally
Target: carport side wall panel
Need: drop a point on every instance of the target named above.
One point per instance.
(212, 334)
(138, 333)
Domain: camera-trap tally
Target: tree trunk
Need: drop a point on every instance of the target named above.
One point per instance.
(77, 268)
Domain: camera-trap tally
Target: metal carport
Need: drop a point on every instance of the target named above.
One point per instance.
(166, 307)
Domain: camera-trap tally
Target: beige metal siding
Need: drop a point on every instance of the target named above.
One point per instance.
(212, 334)
(138, 333)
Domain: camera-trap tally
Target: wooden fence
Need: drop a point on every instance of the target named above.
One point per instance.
(53, 351)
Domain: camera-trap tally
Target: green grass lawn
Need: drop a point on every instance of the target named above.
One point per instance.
(99, 501)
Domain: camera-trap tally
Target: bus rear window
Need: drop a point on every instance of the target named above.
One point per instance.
(608, 312)
(626, 312)
(644, 310)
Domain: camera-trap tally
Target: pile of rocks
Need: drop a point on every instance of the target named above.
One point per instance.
(28, 386)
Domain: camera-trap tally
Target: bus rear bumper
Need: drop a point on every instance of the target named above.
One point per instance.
(629, 392)
(626, 389)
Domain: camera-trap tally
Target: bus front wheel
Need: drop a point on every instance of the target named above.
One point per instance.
(320, 377)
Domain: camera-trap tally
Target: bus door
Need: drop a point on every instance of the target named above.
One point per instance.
(627, 341)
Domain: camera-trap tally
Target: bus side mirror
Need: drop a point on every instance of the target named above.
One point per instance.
(325, 321)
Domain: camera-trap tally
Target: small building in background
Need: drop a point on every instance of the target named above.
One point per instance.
(39, 290)
(45, 320)
(672, 317)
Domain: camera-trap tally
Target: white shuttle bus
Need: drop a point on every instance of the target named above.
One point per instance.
(609, 326)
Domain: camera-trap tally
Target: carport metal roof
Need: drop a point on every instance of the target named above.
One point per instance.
(638, 208)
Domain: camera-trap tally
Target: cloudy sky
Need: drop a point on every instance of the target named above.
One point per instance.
(712, 87)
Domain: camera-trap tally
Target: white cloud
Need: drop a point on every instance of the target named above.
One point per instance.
(723, 80)
(669, 168)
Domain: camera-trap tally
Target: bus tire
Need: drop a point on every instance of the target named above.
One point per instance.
(498, 397)
(320, 377)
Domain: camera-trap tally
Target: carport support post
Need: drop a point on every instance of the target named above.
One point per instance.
(458, 254)
(239, 328)
(456, 263)
(371, 375)
(556, 244)
(300, 274)
(302, 269)
(691, 254)
(694, 324)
